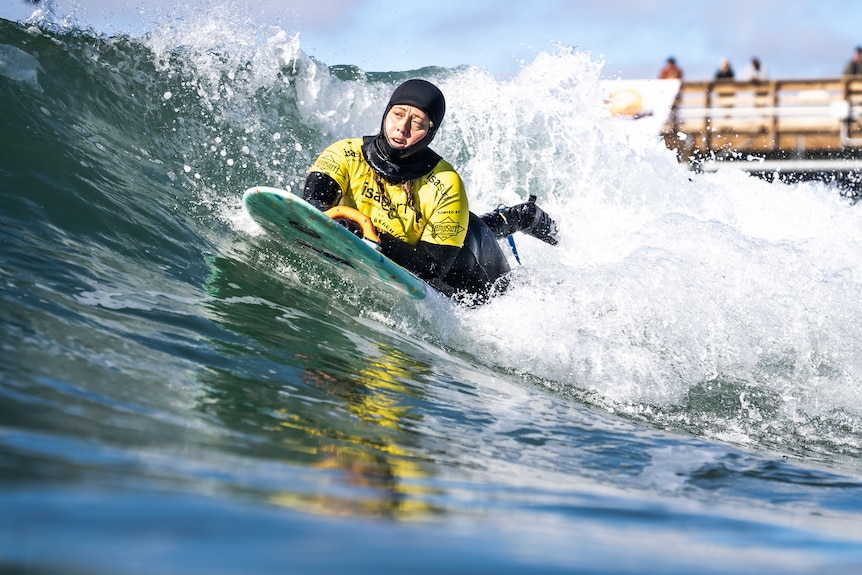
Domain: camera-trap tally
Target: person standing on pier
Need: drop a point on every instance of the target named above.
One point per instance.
(725, 70)
(854, 66)
(755, 71)
(670, 70)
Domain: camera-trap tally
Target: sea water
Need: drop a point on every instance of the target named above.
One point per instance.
(676, 387)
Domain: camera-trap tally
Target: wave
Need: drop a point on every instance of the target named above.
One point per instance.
(716, 304)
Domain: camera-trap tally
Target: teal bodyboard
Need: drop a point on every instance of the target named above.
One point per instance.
(306, 229)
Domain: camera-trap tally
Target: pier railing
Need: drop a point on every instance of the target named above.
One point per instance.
(777, 120)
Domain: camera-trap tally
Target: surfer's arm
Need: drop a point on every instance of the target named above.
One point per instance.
(428, 261)
(321, 191)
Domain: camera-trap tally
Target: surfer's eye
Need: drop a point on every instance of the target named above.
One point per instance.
(418, 120)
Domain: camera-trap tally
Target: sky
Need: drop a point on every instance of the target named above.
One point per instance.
(632, 38)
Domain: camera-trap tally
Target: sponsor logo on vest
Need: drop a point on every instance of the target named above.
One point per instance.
(329, 163)
(446, 229)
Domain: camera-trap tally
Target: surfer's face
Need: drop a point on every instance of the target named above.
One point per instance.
(405, 126)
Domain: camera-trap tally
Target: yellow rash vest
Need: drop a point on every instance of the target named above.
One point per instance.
(439, 213)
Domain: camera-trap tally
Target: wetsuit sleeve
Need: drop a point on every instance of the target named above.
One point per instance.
(428, 261)
(321, 191)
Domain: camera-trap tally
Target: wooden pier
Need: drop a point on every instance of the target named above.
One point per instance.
(778, 125)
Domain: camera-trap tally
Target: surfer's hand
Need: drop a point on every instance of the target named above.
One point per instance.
(356, 222)
(536, 222)
(352, 226)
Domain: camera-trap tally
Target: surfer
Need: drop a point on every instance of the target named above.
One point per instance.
(417, 200)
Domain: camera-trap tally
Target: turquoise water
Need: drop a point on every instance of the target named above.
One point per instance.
(674, 388)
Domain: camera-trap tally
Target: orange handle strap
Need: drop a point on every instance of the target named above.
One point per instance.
(339, 213)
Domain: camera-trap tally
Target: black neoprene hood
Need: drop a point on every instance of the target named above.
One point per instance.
(425, 96)
(403, 164)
